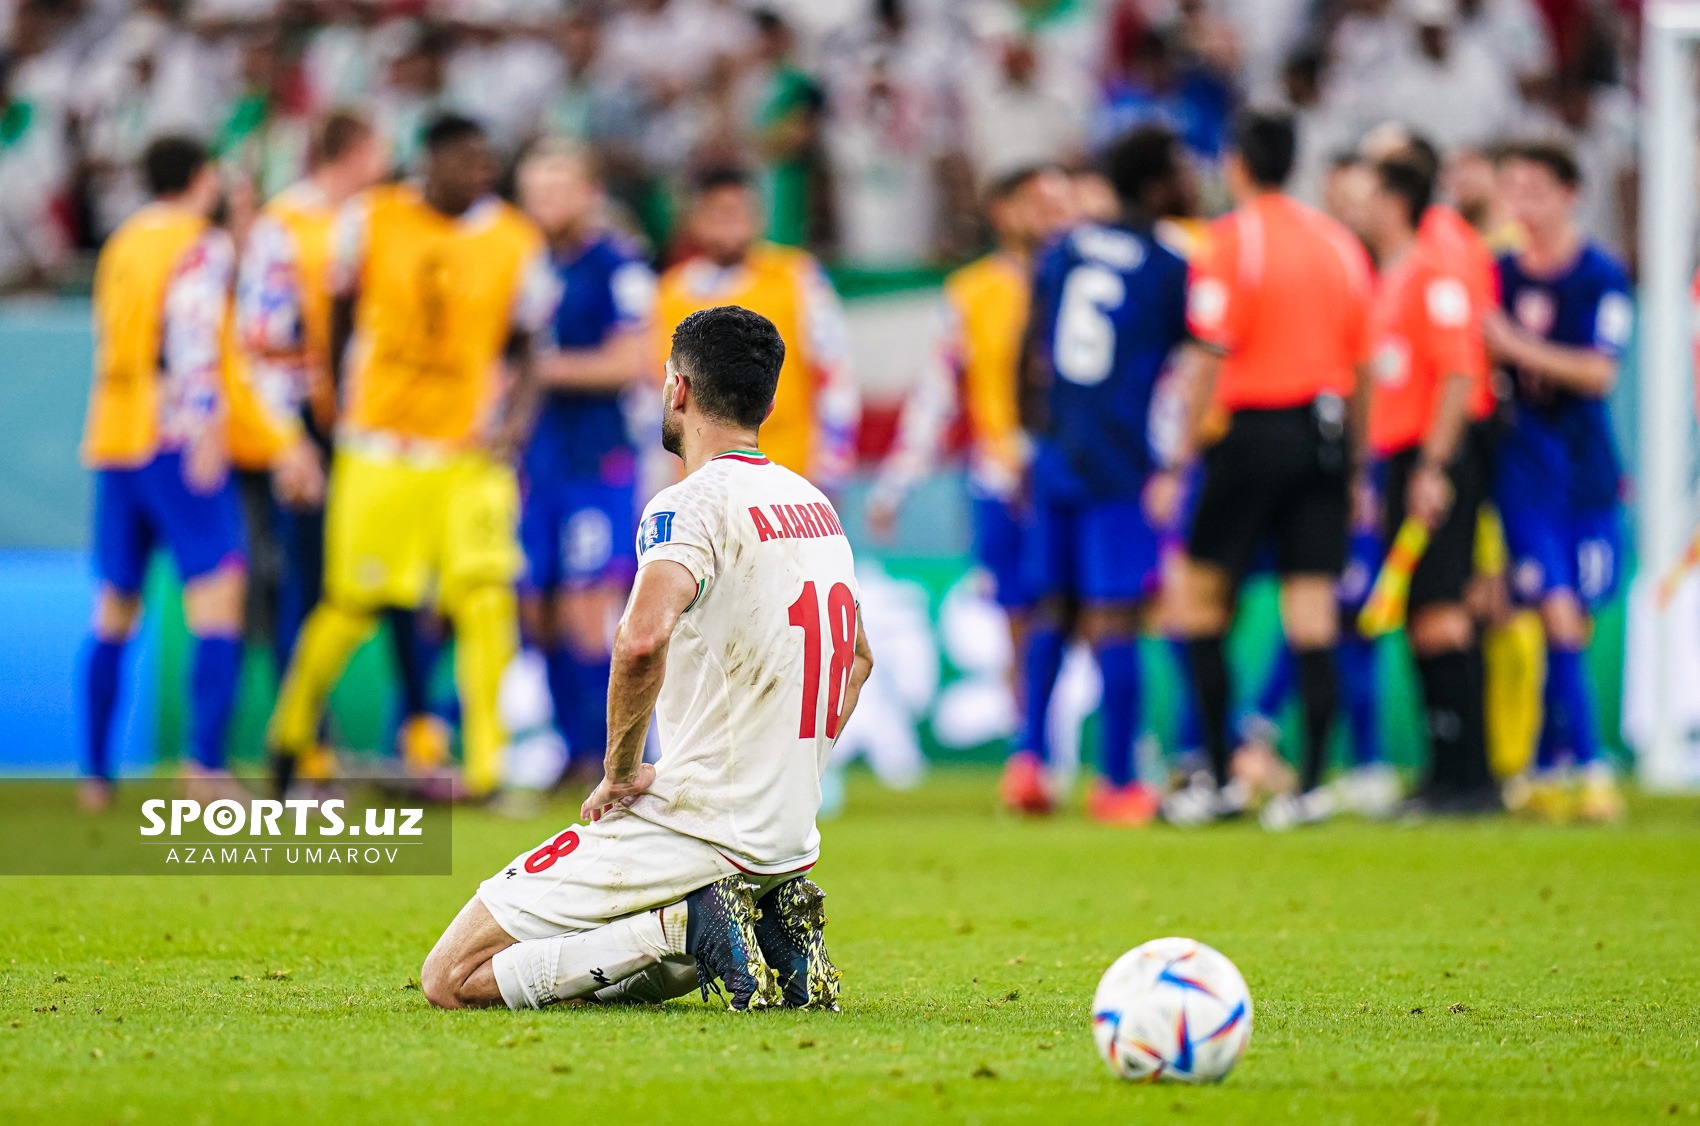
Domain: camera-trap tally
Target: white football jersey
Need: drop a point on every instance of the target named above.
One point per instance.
(758, 666)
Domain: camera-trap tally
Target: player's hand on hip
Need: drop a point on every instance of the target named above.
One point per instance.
(298, 478)
(206, 462)
(1162, 497)
(609, 793)
(1429, 495)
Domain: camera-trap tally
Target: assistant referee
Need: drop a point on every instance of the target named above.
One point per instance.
(1279, 300)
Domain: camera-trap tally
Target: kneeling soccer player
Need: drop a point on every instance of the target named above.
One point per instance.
(743, 634)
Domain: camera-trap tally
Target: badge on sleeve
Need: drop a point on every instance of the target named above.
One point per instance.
(656, 528)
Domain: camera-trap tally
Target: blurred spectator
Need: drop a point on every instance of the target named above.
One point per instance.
(1324, 130)
(501, 77)
(265, 135)
(592, 105)
(1597, 123)
(785, 112)
(1445, 86)
(1514, 33)
(339, 63)
(1148, 85)
(895, 124)
(412, 93)
(33, 240)
(1014, 120)
(1267, 33)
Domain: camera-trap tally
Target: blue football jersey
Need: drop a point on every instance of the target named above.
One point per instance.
(1109, 306)
(606, 288)
(1559, 447)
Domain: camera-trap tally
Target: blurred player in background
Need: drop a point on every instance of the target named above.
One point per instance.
(1566, 320)
(156, 438)
(975, 368)
(743, 638)
(283, 322)
(1280, 296)
(580, 467)
(813, 428)
(1429, 430)
(437, 283)
(1109, 307)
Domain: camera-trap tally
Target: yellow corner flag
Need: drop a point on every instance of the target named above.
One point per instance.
(1673, 578)
(1384, 610)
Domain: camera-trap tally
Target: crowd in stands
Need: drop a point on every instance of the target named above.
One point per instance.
(874, 124)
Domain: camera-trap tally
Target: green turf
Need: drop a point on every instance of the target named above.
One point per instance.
(1555, 971)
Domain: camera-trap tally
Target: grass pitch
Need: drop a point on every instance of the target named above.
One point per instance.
(1462, 973)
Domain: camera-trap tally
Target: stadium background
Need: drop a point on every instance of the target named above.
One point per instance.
(1513, 67)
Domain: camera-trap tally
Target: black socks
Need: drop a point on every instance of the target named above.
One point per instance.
(1316, 690)
(1210, 677)
(1453, 703)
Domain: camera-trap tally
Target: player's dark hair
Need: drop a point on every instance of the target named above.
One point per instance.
(1420, 151)
(1009, 183)
(716, 176)
(1266, 143)
(170, 164)
(732, 358)
(448, 129)
(337, 135)
(1407, 179)
(1140, 158)
(1555, 156)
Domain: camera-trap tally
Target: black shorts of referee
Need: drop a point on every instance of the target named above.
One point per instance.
(1447, 566)
(1278, 475)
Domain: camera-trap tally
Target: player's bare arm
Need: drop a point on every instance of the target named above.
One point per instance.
(860, 667)
(663, 591)
(1430, 490)
(622, 360)
(517, 411)
(1584, 371)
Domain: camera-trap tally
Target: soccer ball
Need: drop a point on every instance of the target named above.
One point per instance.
(1172, 1010)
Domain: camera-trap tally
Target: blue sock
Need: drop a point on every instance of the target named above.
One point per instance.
(1039, 667)
(1277, 686)
(1189, 728)
(1356, 657)
(1571, 701)
(563, 691)
(1118, 662)
(416, 653)
(588, 734)
(100, 702)
(217, 667)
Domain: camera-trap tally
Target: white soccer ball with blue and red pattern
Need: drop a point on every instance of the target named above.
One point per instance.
(1173, 1010)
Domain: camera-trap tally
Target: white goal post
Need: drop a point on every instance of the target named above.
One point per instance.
(1667, 223)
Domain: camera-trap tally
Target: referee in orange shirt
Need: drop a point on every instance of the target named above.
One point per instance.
(1430, 419)
(1280, 302)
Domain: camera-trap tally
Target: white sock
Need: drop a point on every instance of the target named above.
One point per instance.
(542, 971)
(673, 976)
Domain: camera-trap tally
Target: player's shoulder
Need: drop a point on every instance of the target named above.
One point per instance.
(298, 199)
(610, 250)
(774, 257)
(991, 272)
(1599, 268)
(1117, 247)
(511, 222)
(382, 198)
